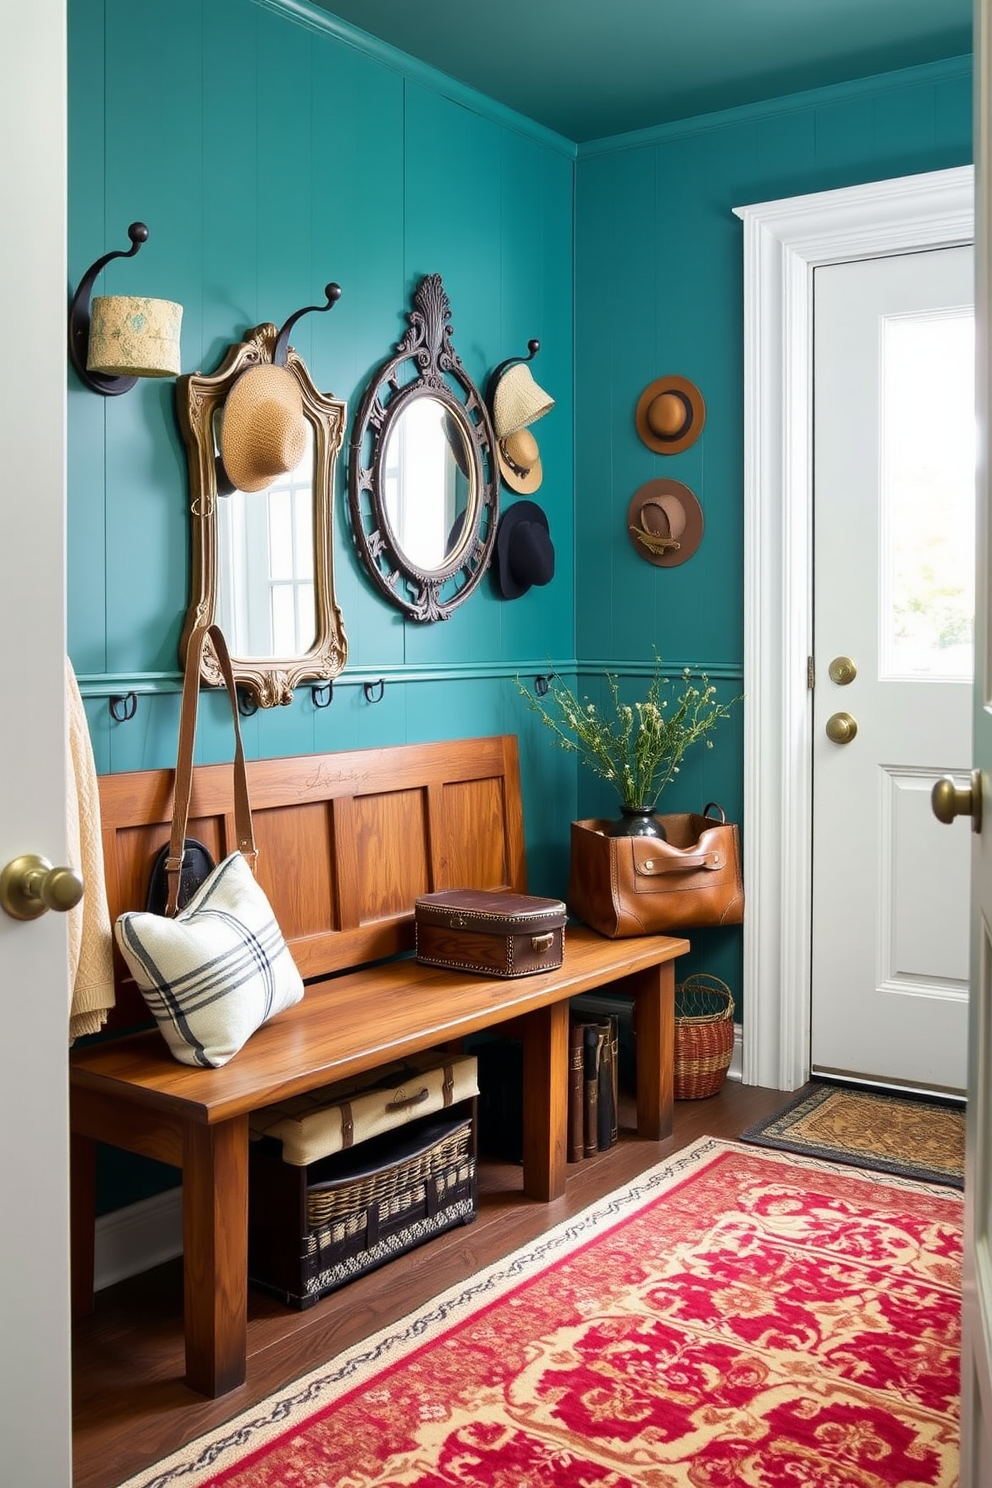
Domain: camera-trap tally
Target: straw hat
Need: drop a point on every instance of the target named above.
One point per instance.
(665, 522)
(670, 415)
(518, 402)
(264, 431)
(525, 554)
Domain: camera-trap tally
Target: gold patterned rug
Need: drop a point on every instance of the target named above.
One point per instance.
(734, 1316)
(885, 1133)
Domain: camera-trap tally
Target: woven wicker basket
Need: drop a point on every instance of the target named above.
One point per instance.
(704, 1035)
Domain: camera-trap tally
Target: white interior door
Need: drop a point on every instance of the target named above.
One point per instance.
(34, 1207)
(894, 463)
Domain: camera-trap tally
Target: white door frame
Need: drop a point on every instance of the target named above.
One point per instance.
(784, 241)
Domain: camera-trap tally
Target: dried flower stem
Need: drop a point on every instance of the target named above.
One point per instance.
(639, 747)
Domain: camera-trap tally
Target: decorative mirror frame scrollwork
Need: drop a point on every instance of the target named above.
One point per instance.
(268, 681)
(423, 593)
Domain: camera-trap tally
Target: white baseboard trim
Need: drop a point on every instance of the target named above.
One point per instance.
(137, 1237)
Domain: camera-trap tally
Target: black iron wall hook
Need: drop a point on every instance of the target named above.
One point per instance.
(79, 319)
(533, 347)
(123, 706)
(374, 690)
(542, 683)
(333, 293)
(322, 694)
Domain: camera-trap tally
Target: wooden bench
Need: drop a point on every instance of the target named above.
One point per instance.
(346, 843)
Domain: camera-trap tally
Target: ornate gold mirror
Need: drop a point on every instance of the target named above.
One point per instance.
(262, 450)
(423, 478)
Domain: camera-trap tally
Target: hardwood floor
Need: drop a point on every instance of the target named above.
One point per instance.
(131, 1407)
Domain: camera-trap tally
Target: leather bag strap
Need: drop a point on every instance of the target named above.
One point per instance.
(184, 762)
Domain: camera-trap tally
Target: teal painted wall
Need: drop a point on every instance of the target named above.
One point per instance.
(267, 156)
(659, 289)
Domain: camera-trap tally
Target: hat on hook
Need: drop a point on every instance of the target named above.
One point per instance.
(525, 554)
(518, 402)
(264, 430)
(670, 414)
(665, 522)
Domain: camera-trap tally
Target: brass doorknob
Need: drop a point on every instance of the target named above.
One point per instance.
(949, 800)
(841, 728)
(29, 885)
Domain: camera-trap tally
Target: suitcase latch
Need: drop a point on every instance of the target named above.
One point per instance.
(542, 943)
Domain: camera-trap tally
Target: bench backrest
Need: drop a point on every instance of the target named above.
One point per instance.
(346, 841)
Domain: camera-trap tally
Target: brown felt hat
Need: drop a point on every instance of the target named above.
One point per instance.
(264, 430)
(665, 522)
(670, 414)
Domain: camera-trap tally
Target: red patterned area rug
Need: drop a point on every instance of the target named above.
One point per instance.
(736, 1318)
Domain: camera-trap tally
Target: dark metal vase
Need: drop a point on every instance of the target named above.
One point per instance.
(637, 821)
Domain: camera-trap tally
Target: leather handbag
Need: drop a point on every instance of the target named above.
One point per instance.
(215, 970)
(624, 886)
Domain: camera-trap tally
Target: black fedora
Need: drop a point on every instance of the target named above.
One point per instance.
(525, 554)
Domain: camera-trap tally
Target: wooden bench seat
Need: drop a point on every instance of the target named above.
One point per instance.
(347, 841)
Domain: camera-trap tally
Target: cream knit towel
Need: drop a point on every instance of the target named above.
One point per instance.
(91, 941)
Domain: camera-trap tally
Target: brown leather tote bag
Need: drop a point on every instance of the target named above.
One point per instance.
(624, 886)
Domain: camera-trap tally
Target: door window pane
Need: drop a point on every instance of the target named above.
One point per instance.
(928, 496)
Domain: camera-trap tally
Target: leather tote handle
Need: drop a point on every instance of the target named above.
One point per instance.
(658, 865)
(184, 762)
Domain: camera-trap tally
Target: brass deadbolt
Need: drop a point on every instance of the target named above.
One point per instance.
(29, 886)
(841, 728)
(842, 670)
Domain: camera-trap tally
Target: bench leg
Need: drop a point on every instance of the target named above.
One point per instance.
(654, 1015)
(545, 1101)
(215, 1254)
(82, 1175)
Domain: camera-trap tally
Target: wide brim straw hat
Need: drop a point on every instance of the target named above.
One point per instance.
(264, 429)
(519, 461)
(665, 522)
(525, 554)
(670, 414)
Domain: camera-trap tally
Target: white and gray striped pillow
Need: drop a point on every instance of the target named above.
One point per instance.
(217, 971)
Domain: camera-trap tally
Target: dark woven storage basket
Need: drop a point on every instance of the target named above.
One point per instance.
(704, 1035)
(311, 1229)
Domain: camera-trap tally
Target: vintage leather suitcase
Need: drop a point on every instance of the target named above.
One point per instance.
(490, 931)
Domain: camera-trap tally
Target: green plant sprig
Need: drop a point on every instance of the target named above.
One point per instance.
(637, 748)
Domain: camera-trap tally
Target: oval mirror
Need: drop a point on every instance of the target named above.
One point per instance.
(423, 479)
(262, 558)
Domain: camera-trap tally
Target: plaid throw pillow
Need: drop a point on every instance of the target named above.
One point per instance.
(217, 971)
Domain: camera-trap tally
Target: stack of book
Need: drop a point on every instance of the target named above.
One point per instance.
(593, 1064)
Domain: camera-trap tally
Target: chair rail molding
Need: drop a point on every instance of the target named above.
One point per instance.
(784, 241)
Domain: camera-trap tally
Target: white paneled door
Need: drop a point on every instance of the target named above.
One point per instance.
(893, 587)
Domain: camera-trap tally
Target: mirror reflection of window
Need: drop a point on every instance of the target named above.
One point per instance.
(424, 482)
(265, 579)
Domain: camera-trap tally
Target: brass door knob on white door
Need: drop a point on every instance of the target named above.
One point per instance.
(840, 728)
(29, 885)
(949, 800)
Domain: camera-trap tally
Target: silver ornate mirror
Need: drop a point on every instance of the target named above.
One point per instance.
(423, 479)
(262, 556)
